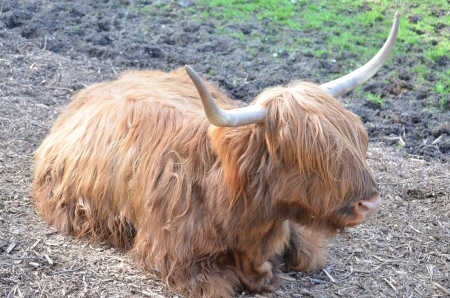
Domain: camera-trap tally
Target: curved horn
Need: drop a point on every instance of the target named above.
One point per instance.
(357, 77)
(219, 117)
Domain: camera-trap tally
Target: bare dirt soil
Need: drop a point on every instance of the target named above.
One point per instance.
(51, 49)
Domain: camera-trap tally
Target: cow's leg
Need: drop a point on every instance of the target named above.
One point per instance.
(216, 278)
(256, 276)
(258, 259)
(205, 276)
(305, 250)
(210, 279)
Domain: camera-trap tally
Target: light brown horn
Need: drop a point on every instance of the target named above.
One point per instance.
(219, 117)
(349, 82)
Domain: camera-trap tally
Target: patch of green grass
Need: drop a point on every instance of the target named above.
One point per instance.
(376, 98)
(238, 34)
(344, 25)
(419, 68)
(442, 88)
(319, 52)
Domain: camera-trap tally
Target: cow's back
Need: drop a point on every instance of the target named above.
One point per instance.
(107, 156)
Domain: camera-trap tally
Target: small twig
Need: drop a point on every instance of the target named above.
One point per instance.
(441, 288)
(329, 276)
(378, 258)
(45, 43)
(1, 8)
(361, 271)
(12, 292)
(391, 285)
(404, 182)
(418, 292)
(318, 281)
(439, 177)
(34, 244)
(49, 261)
(398, 139)
(349, 258)
(59, 88)
(11, 246)
(71, 267)
(110, 63)
(438, 139)
(63, 271)
(415, 229)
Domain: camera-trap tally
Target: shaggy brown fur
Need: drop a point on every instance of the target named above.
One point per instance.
(135, 163)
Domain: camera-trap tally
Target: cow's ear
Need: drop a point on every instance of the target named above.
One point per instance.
(229, 143)
(242, 152)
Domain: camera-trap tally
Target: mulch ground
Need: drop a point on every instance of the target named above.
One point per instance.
(403, 252)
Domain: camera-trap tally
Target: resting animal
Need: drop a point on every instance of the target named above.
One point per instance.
(214, 199)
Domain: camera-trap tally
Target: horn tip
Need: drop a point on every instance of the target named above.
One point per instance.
(397, 14)
(190, 71)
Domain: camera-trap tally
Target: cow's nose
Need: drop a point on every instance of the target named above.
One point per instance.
(367, 208)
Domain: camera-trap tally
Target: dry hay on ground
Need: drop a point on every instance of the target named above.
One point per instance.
(403, 252)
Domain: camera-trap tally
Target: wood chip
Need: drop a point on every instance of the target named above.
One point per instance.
(441, 288)
(418, 292)
(390, 284)
(34, 244)
(48, 259)
(328, 275)
(11, 246)
(415, 229)
(378, 258)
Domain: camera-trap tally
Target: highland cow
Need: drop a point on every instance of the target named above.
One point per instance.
(214, 203)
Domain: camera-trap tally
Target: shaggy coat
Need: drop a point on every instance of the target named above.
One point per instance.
(135, 163)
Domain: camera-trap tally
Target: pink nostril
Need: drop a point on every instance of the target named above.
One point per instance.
(367, 208)
(362, 207)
